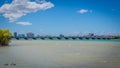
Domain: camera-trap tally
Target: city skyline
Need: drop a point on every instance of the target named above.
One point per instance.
(89, 36)
(60, 16)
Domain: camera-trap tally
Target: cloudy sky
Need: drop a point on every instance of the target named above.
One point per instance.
(60, 16)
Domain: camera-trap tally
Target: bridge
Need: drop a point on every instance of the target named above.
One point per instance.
(63, 38)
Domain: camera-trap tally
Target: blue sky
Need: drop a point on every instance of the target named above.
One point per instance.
(61, 16)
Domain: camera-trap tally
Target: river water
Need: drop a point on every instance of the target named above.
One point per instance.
(60, 54)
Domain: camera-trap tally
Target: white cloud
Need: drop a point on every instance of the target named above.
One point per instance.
(19, 8)
(82, 11)
(24, 23)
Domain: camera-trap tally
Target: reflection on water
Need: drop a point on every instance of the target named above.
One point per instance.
(60, 54)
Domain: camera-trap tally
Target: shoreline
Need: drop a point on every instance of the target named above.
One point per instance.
(61, 42)
(114, 40)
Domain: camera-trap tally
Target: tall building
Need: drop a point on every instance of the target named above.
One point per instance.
(21, 35)
(90, 34)
(30, 35)
(15, 34)
(61, 35)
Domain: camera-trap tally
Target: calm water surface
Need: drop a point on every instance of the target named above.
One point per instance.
(60, 54)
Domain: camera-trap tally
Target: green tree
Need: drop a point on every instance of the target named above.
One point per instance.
(5, 36)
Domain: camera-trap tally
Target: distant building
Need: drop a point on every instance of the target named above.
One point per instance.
(90, 35)
(21, 35)
(15, 34)
(61, 35)
(38, 36)
(30, 35)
